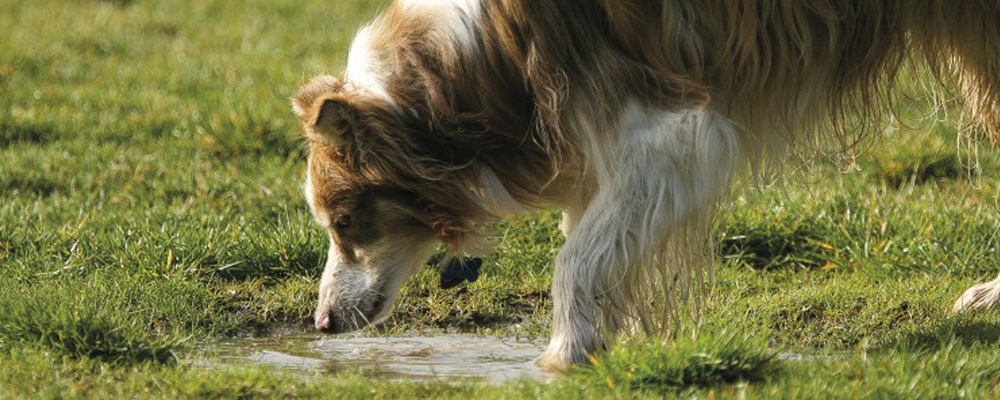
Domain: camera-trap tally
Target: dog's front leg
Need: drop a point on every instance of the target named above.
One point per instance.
(580, 270)
(656, 180)
(594, 288)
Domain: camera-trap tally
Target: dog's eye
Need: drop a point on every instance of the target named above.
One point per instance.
(342, 222)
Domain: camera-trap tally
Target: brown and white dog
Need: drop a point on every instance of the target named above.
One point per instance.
(631, 116)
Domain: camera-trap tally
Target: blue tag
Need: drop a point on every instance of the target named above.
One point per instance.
(457, 271)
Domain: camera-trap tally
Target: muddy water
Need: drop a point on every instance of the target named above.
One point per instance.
(443, 357)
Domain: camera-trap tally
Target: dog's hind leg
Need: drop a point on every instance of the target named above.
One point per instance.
(962, 40)
(981, 84)
(655, 173)
(981, 296)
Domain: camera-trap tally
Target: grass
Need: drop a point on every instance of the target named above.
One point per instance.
(150, 199)
(106, 322)
(717, 358)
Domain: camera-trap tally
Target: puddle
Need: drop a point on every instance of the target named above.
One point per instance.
(798, 357)
(441, 357)
(448, 357)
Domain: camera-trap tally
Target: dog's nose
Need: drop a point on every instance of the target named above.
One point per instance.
(323, 322)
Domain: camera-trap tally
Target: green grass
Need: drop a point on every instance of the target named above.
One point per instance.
(716, 358)
(150, 199)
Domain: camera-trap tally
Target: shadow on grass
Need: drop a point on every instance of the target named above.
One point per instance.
(119, 3)
(768, 249)
(508, 310)
(13, 133)
(927, 168)
(39, 186)
(246, 135)
(951, 331)
(286, 262)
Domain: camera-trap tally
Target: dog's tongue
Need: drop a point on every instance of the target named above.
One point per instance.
(458, 271)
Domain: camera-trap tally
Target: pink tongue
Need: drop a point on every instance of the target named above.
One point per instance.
(323, 322)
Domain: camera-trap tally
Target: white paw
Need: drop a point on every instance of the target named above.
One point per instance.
(552, 362)
(979, 297)
(560, 357)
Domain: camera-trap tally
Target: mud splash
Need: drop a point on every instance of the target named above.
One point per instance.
(440, 357)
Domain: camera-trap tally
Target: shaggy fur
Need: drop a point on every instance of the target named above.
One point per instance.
(631, 116)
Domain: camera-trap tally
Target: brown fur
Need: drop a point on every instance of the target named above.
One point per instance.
(783, 71)
(504, 107)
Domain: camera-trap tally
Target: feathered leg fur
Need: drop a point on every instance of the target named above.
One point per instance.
(639, 246)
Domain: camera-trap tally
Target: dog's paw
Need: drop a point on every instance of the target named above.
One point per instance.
(552, 362)
(979, 297)
(559, 359)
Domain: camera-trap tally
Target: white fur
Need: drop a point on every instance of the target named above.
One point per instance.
(399, 261)
(457, 20)
(457, 17)
(322, 220)
(363, 65)
(981, 296)
(658, 175)
(350, 284)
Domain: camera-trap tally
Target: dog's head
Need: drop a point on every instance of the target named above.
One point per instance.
(383, 201)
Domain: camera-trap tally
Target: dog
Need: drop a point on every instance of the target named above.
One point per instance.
(632, 117)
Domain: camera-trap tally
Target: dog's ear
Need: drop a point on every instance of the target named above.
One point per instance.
(328, 116)
(307, 96)
(333, 120)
